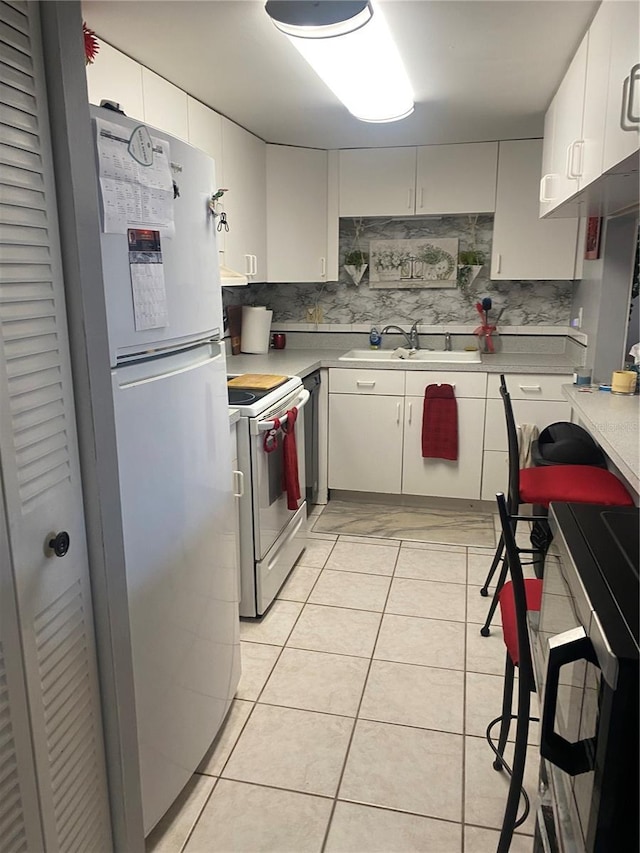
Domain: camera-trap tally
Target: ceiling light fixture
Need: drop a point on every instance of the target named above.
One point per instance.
(350, 47)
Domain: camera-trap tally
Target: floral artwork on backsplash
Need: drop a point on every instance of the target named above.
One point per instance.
(526, 303)
(402, 264)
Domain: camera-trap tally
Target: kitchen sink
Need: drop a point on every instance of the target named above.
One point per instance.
(421, 355)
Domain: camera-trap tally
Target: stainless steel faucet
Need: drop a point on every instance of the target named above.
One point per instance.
(411, 337)
(447, 341)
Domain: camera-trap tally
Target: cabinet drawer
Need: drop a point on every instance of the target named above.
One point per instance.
(465, 384)
(530, 386)
(366, 381)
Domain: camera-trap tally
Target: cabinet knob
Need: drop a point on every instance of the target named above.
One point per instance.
(59, 544)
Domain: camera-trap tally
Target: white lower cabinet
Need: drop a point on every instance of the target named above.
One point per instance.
(441, 477)
(375, 430)
(536, 400)
(365, 442)
(375, 434)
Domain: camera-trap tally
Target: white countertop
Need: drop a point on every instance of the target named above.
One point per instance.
(614, 422)
(302, 362)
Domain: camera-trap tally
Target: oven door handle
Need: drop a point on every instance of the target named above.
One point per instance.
(300, 403)
(573, 758)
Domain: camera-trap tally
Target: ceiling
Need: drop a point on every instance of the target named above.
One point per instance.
(480, 69)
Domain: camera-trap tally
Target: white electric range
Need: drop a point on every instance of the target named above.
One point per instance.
(272, 536)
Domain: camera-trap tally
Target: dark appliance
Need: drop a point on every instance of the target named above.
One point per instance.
(585, 651)
(311, 443)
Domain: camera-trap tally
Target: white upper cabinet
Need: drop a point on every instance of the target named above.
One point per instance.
(595, 96)
(115, 77)
(593, 123)
(205, 133)
(165, 106)
(377, 181)
(622, 136)
(456, 178)
(560, 182)
(431, 179)
(244, 178)
(296, 214)
(205, 130)
(524, 246)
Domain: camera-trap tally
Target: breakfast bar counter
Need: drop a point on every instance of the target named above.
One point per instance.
(614, 422)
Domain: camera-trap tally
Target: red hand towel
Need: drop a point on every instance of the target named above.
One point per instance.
(440, 423)
(290, 483)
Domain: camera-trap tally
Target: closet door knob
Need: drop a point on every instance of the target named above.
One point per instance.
(60, 543)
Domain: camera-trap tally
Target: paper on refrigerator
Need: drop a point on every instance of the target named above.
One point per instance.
(133, 194)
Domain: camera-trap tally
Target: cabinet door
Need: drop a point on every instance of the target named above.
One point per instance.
(524, 246)
(538, 412)
(622, 136)
(457, 178)
(567, 136)
(546, 190)
(365, 443)
(165, 106)
(205, 131)
(244, 177)
(296, 213)
(377, 181)
(442, 477)
(595, 98)
(495, 474)
(115, 77)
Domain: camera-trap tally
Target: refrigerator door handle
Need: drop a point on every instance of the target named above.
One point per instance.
(169, 364)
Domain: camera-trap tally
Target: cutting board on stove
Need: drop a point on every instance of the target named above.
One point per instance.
(257, 381)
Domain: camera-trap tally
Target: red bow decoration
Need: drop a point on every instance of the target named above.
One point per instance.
(485, 329)
(91, 44)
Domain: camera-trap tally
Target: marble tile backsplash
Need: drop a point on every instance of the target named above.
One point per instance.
(525, 303)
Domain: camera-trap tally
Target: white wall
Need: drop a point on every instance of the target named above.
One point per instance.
(603, 294)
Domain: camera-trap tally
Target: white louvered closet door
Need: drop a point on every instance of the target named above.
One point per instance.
(39, 463)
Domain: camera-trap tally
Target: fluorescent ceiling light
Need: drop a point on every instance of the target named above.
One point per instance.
(362, 67)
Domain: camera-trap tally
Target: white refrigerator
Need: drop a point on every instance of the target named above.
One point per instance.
(168, 368)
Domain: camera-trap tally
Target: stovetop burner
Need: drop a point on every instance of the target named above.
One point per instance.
(240, 397)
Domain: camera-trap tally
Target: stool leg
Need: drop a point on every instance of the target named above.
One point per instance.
(517, 774)
(494, 565)
(494, 601)
(507, 698)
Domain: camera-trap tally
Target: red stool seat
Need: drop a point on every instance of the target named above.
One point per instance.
(571, 484)
(533, 594)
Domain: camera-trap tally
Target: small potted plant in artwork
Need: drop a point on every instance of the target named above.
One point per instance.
(355, 264)
(388, 263)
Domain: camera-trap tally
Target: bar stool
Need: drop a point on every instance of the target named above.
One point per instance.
(517, 597)
(541, 486)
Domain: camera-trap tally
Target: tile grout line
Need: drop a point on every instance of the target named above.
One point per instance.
(464, 713)
(357, 715)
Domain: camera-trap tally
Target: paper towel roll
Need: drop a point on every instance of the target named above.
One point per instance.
(256, 329)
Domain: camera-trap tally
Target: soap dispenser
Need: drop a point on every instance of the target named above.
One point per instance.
(375, 338)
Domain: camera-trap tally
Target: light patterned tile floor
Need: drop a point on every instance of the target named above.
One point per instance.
(358, 723)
